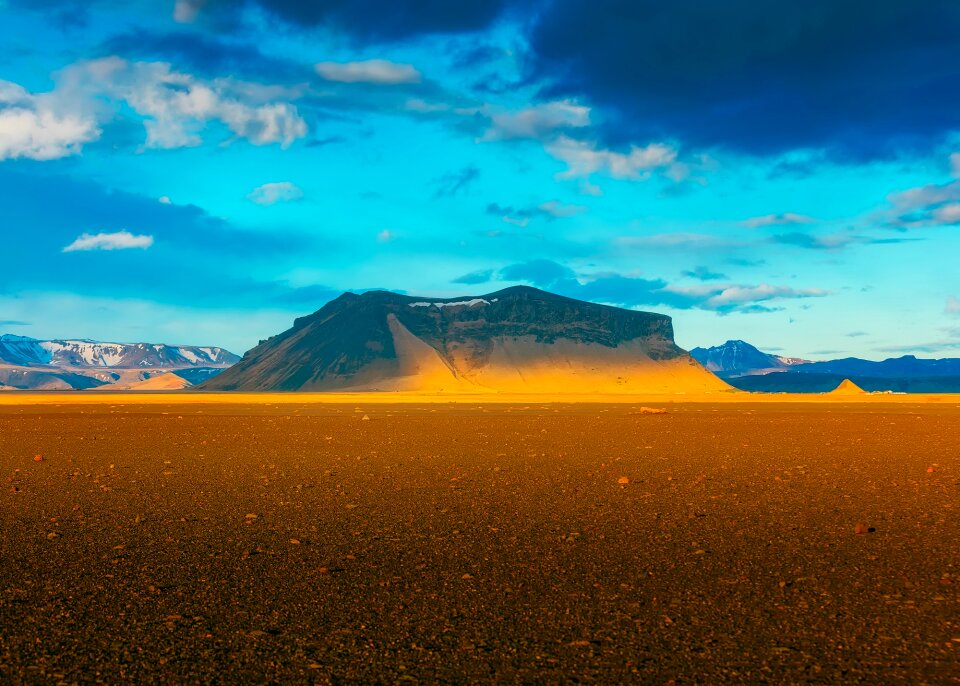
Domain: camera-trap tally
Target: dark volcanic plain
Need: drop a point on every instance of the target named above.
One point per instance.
(480, 543)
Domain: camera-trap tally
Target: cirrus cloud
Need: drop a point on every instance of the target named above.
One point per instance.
(383, 72)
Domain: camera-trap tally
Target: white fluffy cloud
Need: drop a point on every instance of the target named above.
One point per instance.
(272, 193)
(583, 159)
(535, 122)
(176, 107)
(40, 127)
(121, 240)
(382, 72)
(779, 219)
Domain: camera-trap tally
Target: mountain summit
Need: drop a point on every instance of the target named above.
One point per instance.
(739, 358)
(519, 339)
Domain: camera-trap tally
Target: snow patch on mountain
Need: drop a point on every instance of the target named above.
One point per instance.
(460, 303)
(81, 353)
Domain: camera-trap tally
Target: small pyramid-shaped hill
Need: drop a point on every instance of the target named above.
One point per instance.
(847, 387)
(519, 339)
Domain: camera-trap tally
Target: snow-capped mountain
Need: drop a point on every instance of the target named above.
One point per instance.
(29, 352)
(739, 358)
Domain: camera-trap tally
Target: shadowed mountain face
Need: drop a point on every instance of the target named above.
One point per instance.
(518, 339)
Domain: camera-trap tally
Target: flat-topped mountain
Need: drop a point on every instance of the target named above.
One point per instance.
(519, 339)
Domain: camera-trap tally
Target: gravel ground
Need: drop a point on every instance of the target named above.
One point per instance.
(234, 544)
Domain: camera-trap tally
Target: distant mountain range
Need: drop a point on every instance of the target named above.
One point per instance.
(21, 350)
(77, 364)
(519, 339)
(744, 366)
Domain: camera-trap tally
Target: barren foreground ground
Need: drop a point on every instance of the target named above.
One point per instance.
(253, 543)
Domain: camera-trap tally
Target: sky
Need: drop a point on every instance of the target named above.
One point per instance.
(204, 171)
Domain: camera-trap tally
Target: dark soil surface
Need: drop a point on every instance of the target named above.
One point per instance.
(477, 544)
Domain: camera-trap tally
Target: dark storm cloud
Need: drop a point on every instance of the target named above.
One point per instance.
(372, 21)
(204, 54)
(860, 78)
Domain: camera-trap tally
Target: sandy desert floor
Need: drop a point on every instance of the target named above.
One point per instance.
(166, 541)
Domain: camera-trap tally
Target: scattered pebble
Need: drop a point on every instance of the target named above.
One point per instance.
(39, 458)
(623, 480)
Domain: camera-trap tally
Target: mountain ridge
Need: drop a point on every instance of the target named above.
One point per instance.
(84, 353)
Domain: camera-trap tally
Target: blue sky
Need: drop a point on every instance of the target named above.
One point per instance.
(191, 171)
